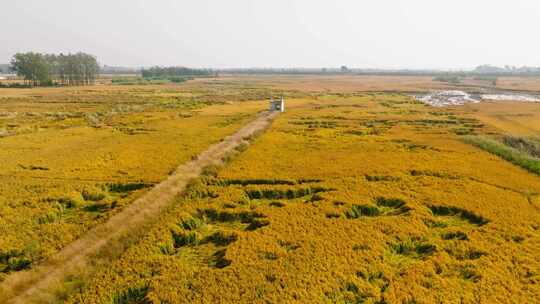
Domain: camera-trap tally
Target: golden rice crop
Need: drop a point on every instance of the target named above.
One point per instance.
(366, 198)
(70, 159)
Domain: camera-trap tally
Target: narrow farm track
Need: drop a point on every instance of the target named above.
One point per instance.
(26, 286)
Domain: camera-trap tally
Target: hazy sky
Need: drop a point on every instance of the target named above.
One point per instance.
(278, 33)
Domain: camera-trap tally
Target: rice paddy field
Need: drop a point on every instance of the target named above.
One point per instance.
(339, 84)
(521, 119)
(72, 158)
(371, 198)
(351, 197)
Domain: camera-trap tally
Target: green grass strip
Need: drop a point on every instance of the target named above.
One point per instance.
(519, 158)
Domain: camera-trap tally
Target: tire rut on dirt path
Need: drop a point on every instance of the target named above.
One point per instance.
(34, 284)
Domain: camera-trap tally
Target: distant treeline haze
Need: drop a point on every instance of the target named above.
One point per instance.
(168, 72)
(50, 69)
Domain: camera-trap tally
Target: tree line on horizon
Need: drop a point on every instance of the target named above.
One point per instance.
(168, 72)
(39, 69)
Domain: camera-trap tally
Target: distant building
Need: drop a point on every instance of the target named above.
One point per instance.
(277, 105)
(7, 76)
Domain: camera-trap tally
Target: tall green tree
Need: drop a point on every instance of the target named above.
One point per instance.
(47, 69)
(33, 67)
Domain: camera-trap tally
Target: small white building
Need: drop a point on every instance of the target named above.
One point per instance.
(277, 105)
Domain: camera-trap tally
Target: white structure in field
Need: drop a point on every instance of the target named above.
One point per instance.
(277, 105)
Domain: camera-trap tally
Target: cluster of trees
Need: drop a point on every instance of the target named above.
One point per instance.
(171, 72)
(49, 69)
(507, 70)
(454, 79)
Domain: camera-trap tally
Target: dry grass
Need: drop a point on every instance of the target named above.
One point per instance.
(334, 84)
(519, 83)
(511, 117)
(369, 83)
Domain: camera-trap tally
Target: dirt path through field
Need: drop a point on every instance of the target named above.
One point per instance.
(23, 287)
